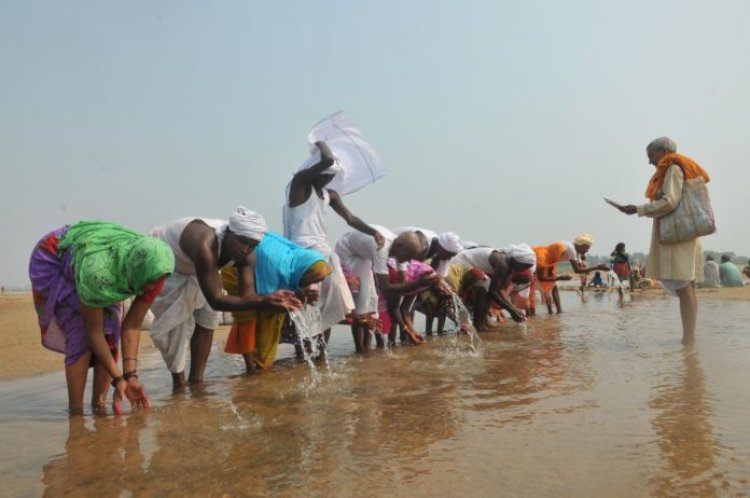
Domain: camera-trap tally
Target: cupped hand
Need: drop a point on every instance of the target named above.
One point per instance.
(629, 209)
(283, 299)
(136, 394)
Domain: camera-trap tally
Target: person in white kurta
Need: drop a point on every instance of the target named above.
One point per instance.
(678, 266)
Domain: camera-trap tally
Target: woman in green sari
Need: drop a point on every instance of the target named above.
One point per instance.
(80, 276)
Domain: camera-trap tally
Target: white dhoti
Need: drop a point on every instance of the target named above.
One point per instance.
(336, 299)
(366, 300)
(178, 308)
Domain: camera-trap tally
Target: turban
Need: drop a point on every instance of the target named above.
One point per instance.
(246, 223)
(523, 253)
(450, 242)
(584, 240)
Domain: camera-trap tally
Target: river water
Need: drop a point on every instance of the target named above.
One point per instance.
(599, 401)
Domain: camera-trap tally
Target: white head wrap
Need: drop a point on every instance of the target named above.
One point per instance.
(523, 253)
(450, 242)
(584, 240)
(246, 223)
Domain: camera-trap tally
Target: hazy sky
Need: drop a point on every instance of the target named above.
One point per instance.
(506, 122)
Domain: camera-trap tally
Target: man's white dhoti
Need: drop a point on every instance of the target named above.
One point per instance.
(335, 297)
(178, 308)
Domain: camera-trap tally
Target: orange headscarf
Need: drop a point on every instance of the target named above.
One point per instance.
(690, 168)
(550, 255)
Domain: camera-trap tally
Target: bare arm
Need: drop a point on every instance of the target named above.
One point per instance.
(581, 266)
(499, 280)
(671, 195)
(93, 321)
(354, 221)
(301, 186)
(202, 250)
(401, 288)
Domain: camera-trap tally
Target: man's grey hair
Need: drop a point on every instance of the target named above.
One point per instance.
(665, 144)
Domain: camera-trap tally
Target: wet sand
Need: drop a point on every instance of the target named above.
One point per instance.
(21, 353)
(599, 401)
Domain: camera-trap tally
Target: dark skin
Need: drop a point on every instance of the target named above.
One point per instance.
(105, 366)
(433, 251)
(503, 267)
(311, 179)
(201, 245)
(405, 248)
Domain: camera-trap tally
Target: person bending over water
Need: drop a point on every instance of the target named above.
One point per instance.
(80, 275)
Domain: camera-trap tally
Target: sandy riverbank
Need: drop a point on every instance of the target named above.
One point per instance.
(21, 353)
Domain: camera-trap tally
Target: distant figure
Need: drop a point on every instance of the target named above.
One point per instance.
(677, 266)
(597, 281)
(729, 274)
(710, 273)
(621, 264)
(746, 270)
(547, 258)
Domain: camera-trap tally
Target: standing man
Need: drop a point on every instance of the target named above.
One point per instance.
(305, 208)
(678, 266)
(186, 309)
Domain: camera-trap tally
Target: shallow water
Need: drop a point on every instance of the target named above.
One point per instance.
(600, 401)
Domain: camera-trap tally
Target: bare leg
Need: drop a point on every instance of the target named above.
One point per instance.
(441, 325)
(366, 339)
(250, 366)
(688, 312)
(75, 375)
(358, 336)
(556, 299)
(200, 347)
(178, 381)
(428, 323)
(379, 340)
(102, 380)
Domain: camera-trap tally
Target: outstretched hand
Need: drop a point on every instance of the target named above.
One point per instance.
(283, 299)
(629, 209)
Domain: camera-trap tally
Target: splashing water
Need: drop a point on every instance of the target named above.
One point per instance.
(464, 322)
(308, 327)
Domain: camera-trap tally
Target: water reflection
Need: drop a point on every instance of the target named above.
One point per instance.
(98, 447)
(686, 440)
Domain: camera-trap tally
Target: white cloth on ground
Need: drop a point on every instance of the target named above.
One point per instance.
(359, 164)
(177, 309)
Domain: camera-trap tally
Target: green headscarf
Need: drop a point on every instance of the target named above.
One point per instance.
(112, 263)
